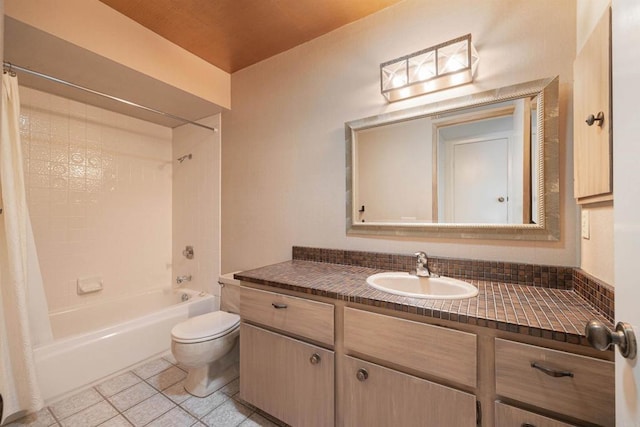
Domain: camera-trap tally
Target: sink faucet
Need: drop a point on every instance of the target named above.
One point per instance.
(421, 265)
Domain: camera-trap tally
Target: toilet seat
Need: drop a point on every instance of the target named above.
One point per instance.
(205, 327)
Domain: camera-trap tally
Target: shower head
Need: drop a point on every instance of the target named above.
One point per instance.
(185, 157)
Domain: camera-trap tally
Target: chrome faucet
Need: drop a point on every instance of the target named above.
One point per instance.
(421, 265)
(181, 279)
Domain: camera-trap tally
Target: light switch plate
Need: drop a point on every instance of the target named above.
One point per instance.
(585, 225)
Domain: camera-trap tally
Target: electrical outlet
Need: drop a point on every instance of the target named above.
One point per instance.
(585, 225)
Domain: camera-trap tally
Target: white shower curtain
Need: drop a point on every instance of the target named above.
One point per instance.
(24, 321)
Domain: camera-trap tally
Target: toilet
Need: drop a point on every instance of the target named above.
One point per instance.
(208, 346)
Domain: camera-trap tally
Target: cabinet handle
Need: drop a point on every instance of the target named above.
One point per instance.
(314, 359)
(362, 374)
(591, 119)
(551, 372)
(527, 425)
(278, 305)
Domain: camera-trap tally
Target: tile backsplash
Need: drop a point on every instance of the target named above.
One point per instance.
(598, 294)
(99, 193)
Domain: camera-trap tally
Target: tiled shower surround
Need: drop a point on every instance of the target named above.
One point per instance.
(99, 196)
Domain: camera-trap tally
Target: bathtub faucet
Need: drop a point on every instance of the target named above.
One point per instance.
(181, 279)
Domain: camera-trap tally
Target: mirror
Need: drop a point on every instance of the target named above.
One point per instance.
(482, 166)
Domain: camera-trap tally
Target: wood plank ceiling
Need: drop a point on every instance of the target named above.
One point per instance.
(233, 34)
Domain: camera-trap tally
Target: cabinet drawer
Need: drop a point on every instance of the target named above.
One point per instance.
(299, 316)
(289, 379)
(586, 394)
(511, 416)
(433, 350)
(377, 396)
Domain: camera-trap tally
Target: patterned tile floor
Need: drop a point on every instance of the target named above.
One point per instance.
(150, 395)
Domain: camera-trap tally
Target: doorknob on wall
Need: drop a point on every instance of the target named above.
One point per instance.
(601, 337)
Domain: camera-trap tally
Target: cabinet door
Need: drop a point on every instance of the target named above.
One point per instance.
(385, 397)
(287, 378)
(591, 95)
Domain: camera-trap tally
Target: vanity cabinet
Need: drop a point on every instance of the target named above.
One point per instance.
(377, 396)
(592, 146)
(285, 369)
(577, 386)
(310, 362)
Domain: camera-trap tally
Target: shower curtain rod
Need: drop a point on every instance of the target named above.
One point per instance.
(9, 67)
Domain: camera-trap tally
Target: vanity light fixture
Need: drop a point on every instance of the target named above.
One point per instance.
(448, 64)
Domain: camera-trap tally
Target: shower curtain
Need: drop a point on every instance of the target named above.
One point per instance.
(24, 321)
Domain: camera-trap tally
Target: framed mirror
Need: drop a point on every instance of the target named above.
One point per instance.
(480, 166)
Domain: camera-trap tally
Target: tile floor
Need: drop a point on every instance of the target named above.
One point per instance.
(150, 395)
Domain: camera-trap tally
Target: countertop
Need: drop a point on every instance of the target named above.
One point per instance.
(556, 314)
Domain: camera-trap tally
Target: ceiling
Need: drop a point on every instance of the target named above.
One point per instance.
(234, 34)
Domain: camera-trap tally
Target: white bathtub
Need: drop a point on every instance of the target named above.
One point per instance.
(98, 340)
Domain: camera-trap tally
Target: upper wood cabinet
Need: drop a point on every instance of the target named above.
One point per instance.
(592, 150)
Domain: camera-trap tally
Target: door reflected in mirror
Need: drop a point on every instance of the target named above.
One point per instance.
(475, 166)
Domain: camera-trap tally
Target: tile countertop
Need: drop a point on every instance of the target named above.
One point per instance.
(555, 314)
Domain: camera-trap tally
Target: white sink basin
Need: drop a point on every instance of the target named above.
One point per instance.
(409, 285)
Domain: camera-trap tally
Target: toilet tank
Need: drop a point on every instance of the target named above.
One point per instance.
(230, 293)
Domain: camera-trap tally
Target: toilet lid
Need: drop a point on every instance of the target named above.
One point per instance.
(205, 327)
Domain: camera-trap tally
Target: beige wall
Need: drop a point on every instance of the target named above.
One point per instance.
(96, 27)
(284, 156)
(196, 204)
(597, 251)
(99, 196)
(392, 161)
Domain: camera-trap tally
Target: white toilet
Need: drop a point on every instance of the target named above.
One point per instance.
(208, 346)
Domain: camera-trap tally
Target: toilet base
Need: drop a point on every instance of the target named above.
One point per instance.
(204, 380)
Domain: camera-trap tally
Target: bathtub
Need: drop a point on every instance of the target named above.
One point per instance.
(97, 340)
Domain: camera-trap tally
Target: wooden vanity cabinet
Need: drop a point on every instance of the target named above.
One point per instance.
(282, 371)
(307, 365)
(592, 144)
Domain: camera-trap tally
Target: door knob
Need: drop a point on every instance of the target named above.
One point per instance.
(501, 199)
(591, 119)
(601, 337)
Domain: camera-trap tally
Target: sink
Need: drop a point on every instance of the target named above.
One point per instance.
(409, 285)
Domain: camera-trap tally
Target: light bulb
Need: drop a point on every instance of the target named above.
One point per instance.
(399, 81)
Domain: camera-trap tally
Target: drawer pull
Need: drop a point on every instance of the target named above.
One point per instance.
(362, 374)
(314, 359)
(551, 372)
(527, 425)
(278, 305)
